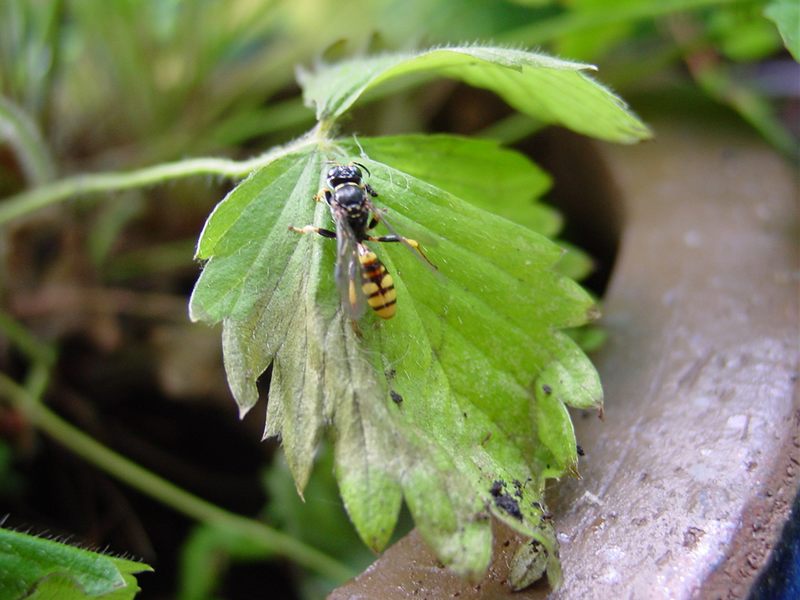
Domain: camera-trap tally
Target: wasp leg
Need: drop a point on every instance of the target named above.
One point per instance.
(394, 238)
(376, 214)
(399, 238)
(370, 191)
(311, 229)
(323, 194)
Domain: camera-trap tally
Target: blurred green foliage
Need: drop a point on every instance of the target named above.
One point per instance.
(94, 85)
(134, 82)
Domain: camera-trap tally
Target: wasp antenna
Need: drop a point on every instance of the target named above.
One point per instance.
(363, 167)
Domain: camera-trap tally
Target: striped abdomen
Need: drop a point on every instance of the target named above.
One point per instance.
(377, 284)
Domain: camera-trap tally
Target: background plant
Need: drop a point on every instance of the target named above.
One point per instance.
(101, 287)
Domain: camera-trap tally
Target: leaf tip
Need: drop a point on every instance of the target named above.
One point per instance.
(528, 565)
(243, 410)
(593, 313)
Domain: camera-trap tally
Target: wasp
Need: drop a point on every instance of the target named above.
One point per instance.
(362, 279)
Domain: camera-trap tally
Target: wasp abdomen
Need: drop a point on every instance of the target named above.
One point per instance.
(377, 284)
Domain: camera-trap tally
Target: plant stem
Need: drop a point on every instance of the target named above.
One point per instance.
(36, 351)
(40, 197)
(162, 490)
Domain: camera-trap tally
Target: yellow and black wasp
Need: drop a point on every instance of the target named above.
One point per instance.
(361, 277)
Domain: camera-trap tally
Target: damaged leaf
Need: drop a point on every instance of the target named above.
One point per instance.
(469, 352)
(457, 405)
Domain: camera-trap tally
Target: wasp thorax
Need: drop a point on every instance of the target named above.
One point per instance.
(349, 195)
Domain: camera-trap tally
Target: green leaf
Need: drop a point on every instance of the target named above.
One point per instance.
(488, 176)
(457, 404)
(479, 171)
(32, 567)
(549, 89)
(786, 15)
(574, 263)
(741, 34)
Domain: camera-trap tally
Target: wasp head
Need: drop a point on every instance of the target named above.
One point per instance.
(344, 174)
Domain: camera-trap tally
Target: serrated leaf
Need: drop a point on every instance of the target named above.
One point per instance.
(443, 405)
(32, 567)
(549, 89)
(479, 171)
(786, 15)
(495, 179)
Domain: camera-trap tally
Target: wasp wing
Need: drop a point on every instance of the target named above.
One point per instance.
(348, 267)
(380, 215)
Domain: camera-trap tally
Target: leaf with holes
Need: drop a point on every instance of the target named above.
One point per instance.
(458, 403)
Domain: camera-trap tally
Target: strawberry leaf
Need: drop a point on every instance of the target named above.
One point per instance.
(549, 89)
(457, 404)
(33, 567)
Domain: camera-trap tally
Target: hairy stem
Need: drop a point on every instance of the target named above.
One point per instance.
(34, 199)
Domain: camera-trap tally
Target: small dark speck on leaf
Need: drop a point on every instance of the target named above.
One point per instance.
(580, 451)
(504, 500)
(497, 488)
(390, 374)
(517, 488)
(465, 415)
(508, 504)
(547, 389)
(396, 398)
